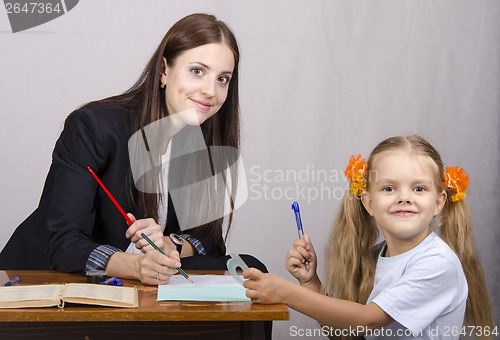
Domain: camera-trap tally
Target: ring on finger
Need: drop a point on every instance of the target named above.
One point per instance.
(158, 276)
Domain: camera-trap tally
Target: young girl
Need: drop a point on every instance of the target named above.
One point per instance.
(416, 284)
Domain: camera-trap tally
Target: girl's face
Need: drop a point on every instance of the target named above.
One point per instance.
(198, 79)
(403, 198)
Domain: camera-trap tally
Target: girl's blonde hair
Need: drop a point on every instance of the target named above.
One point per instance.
(350, 256)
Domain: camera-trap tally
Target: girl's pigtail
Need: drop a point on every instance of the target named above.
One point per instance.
(350, 264)
(456, 232)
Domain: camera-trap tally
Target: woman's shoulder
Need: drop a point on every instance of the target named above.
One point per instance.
(104, 124)
(102, 111)
(101, 118)
(95, 131)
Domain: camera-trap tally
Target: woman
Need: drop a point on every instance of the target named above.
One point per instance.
(194, 71)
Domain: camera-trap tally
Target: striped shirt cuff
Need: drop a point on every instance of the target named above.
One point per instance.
(99, 257)
(196, 243)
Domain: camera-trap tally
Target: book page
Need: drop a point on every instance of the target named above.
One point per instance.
(30, 296)
(100, 295)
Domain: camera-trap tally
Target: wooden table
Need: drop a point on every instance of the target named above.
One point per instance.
(151, 320)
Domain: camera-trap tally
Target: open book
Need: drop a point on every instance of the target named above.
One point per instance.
(57, 295)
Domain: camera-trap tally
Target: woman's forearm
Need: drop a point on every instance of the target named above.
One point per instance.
(187, 247)
(124, 265)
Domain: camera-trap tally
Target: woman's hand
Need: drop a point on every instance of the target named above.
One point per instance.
(152, 268)
(265, 288)
(168, 245)
(295, 261)
(150, 228)
(156, 268)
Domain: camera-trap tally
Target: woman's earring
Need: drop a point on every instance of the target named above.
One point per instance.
(163, 85)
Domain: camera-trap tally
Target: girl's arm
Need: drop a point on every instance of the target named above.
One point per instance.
(337, 313)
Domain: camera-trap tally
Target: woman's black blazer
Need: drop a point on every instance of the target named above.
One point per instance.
(75, 215)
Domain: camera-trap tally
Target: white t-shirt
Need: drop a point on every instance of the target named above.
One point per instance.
(424, 290)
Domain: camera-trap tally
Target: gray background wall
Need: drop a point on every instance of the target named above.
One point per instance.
(320, 80)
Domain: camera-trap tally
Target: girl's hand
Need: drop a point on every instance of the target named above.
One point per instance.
(150, 228)
(295, 261)
(156, 268)
(265, 288)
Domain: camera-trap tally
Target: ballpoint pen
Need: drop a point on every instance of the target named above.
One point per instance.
(14, 280)
(296, 210)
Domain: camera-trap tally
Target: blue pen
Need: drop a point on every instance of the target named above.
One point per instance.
(14, 280)
(296, 210)
(112, 281)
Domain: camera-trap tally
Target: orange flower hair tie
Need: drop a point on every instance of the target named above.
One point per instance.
(355, 173)
(457, 180)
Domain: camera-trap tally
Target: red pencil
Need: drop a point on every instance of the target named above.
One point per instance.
(129, 221)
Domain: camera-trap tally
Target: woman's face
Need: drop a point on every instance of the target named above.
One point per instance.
(198, 79)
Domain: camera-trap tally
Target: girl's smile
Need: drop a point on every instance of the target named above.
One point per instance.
(404, 213)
